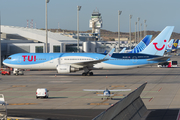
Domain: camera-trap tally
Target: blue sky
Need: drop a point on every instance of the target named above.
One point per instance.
(158, 13)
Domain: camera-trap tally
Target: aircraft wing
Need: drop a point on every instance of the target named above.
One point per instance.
(87, 63)
(91, 63)
(159, 58)
(120, 90)
(93, 90)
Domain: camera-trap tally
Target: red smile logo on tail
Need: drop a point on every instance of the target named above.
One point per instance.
(169, 46)
(159, 49)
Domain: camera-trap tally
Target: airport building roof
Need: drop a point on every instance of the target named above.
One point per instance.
(36, 34)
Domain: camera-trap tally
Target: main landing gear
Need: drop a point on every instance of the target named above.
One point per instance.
(87, 74)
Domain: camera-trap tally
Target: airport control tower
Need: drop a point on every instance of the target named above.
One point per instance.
(96, 23)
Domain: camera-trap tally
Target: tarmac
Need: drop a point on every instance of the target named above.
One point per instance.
(68, 101)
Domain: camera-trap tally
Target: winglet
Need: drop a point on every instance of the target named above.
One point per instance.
(123, 50)
(108, 56)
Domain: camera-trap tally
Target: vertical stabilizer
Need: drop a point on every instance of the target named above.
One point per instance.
(142, 45)
(170, 44)
(159, 44)
(175, 44)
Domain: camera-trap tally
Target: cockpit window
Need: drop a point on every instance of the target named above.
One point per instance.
(9, 58)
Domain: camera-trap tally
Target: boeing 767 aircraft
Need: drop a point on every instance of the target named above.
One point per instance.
(72, 62)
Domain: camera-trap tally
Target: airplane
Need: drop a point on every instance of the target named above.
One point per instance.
(172, 46)
(72, 62)
(106, 92)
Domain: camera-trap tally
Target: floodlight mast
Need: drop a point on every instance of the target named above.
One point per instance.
(47, 1)
(130, 16)
(144, 28)
(78, 9)
(119, 13)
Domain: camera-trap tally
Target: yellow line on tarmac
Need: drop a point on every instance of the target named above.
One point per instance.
(23, 104)
(117, 86)
(19, 86)
(99, 103)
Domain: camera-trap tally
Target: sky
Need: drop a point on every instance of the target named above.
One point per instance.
(158, 13)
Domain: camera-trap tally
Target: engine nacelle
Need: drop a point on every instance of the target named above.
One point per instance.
(65, 69)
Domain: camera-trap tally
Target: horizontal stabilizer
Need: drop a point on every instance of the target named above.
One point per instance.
(105, 96)
(164, 58)
(120, 90)
(92, 90)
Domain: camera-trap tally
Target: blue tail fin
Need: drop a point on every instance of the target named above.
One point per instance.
(142, 45)
(175, 44)
(159, 44)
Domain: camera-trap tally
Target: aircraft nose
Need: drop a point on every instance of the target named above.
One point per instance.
(5, 62)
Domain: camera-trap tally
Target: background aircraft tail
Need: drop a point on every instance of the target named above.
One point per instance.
(159, 44)
(170, 44)
(175, 44)
(142, 45)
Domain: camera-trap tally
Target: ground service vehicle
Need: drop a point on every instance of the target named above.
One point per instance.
(6, 72)
(42, 93)
(168, 64)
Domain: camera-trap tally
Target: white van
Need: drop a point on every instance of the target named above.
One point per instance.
(42, 93)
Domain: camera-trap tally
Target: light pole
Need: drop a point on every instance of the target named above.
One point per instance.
(144, 28)
(138, 29)
(119, 13)
(130, 16)
(47, 1)
(78, 9)
(135, 31)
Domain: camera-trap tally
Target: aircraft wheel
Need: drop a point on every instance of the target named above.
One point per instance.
(91, 73)
(84, 74)
(101, 98)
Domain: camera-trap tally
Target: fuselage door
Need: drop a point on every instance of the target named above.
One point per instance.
(19, 59)
(134, 58)
(51, 59)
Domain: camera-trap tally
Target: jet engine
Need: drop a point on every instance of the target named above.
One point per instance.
(66, 69)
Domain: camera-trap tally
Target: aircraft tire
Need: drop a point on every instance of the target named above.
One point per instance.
(84, 74)
(91, 73)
